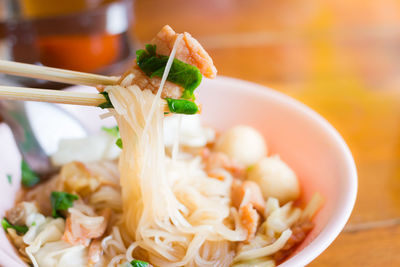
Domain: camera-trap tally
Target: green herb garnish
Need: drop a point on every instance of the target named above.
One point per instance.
(113, 131)
(181, 73)
(61, 201)
(138, 263)
(182, 106)
(9, 178)
(119, 143)
(107, 103)
(28, 177)
(20, 229)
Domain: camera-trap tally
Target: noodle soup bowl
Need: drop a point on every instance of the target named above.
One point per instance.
(303, 139)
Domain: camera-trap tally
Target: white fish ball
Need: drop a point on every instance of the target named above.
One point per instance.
(275, 179)
(242, 143)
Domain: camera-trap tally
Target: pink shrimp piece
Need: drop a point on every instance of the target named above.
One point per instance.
(216, 160)
(249, 219)
(189, 50)
(246, 192)
(170, 90)
(77, 233)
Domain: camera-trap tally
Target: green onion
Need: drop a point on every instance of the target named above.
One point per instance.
(9, 178)
(182, 106)
(29, 178)
(61, 201)
(181, 73)
(113, 131)
(107, 103)
(138, 263)
(20, 229)
(119, 143)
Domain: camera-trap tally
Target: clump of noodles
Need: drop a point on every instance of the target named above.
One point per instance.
(274, 232)
(174, 214)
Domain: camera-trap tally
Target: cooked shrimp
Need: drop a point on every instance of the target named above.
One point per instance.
(188, 50)
(299, 233)
(81, 228)
(80, 178)
(217, 160)
(247, 197)
(71, 238)
(140, 79)
(246, 192)
(249, 219)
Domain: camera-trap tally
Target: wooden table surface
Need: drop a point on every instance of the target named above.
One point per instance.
(341, 58)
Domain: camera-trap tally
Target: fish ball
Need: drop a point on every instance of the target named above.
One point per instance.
(275, 179)
(243, 144)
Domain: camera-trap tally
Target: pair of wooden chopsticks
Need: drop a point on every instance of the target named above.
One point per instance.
(56, 75)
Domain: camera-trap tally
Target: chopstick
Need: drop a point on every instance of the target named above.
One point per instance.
(55, 74)
(52, 96)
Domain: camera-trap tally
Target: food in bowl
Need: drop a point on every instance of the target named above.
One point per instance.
(177, 194)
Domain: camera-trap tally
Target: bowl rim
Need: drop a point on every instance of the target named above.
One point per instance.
(333, 228)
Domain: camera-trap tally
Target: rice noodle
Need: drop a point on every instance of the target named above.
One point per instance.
(163, 80)
(116, 260)
(130, 250)
(312, 207)
(267, 250)
(175, 146)
(165, 221)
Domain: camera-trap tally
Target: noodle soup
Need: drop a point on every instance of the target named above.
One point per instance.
(176, 193)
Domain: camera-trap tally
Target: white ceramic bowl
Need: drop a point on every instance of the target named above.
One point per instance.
(305, 140)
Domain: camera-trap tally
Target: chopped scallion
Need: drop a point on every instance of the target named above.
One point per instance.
(61, 201)
(20, 229)
(182, 106)
(28, 177)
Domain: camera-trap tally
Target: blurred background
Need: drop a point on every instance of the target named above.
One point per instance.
(85, 35)
(340, 57)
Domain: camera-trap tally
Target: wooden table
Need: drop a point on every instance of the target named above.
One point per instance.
(340, 57)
